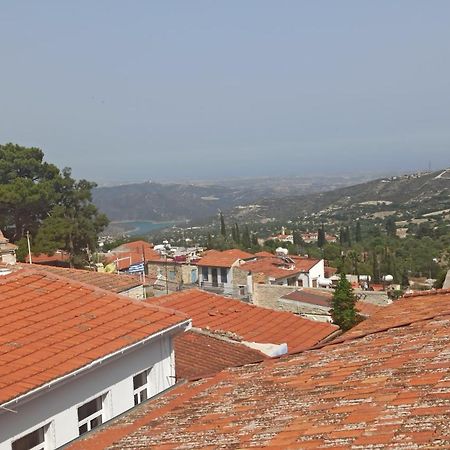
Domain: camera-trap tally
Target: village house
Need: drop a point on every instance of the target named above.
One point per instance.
(215, 271)
(383, 384)
(73, 356)
(312, 237)
(7, 250)
(129, 257)
(282, 237)
(282, 270)
(173, 269)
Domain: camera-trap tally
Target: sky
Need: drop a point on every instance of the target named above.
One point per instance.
(167, 90)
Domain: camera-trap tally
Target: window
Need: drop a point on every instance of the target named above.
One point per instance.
(90, 415)
(205, 273)
(31, 441)
(224, 275)
(140, 385)
(172, 275)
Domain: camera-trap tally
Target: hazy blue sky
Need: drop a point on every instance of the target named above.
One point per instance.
(135, 90)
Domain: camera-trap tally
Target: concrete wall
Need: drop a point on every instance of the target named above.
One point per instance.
(269, 296)
(58, 405)
(136, 293)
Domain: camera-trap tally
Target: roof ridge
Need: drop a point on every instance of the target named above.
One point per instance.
(426, 293)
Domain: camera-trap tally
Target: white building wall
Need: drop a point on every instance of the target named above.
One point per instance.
(59, 405)
(227, 287)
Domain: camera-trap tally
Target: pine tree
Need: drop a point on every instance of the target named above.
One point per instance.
(343, 303)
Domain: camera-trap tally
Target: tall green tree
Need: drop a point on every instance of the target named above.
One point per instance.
(343, 309)
(74, 223)
(358, 235)
(321, 236)
(57, 210)
(223, 230)
(246, 239)
(391, 228)
(27, 189)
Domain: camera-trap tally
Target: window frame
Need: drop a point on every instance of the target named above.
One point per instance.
(224, 279)
(99, 413)
(142, 390)
(44, 445)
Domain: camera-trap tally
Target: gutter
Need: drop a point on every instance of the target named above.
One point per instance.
(186, 324)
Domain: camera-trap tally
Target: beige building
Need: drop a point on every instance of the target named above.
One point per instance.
(7, 250)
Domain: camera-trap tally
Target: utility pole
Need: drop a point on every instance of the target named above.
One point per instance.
(29, 248)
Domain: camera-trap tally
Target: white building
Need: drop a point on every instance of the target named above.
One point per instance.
(73, 356)
(215, 270)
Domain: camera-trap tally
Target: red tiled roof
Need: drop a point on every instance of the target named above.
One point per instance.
(251, 323)
(223, 259)
(386, 389)
(108, 281)
(318, 298)
(404, 311)
(367, 309)
(198, 355)
(276, 268)
(51, 326)
(128, 258)
(264, 254)
(42, 258)
(135, 246)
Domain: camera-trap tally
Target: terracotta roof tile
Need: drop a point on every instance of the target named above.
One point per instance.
(108, 281)
(383, 389)
(227, 258)
(404, 311)
(198, 354)
(52, 326)
(277, 267)
(251, 323)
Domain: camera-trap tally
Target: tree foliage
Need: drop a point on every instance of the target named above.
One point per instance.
(57, 210)
(343, 310)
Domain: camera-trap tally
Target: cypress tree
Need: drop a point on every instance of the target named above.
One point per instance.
(358, 236)
(246, 240)
(321, 236)
(343, 310)
(223, 230)
(209, 243)
(237, 233)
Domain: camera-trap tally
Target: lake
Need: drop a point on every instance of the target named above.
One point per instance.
(140, 227)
